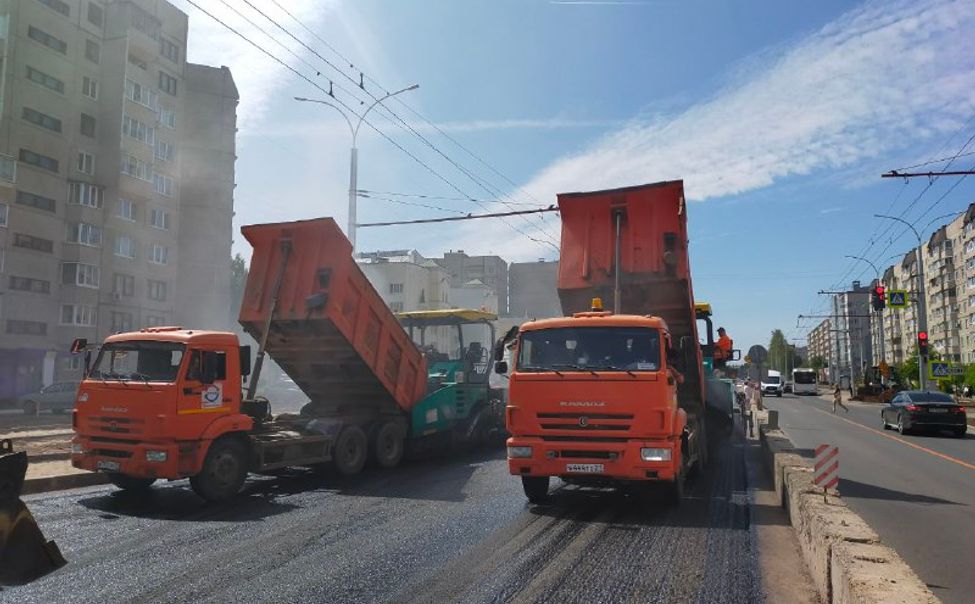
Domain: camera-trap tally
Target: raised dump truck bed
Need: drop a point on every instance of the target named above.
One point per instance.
(329, 329)
(655, 276)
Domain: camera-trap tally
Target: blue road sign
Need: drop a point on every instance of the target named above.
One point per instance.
(897, 298)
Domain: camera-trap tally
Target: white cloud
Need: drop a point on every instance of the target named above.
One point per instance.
(881, 78)
(258, 77)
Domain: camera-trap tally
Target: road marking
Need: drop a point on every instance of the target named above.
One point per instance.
(963, 464)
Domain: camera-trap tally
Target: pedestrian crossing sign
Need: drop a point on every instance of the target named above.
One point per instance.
(897, 298)
(939, 371)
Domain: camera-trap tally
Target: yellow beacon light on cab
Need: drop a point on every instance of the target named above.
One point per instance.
(597, 304)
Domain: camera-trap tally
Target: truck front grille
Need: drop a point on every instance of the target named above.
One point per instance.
(117, 425)
(585, 422)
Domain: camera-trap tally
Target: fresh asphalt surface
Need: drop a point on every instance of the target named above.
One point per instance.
(919, 498)
(450, 530)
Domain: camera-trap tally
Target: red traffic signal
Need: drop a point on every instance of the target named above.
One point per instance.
(879, 297)
(922, 343)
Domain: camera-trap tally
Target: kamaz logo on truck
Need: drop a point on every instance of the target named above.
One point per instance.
(582, 404)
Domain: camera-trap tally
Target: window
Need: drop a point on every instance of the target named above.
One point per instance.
(77, 314)
(124, 246)
(144, 22)
(590, 349)
(47, 40)
(8, 168)
(33, 243)
(396, 306)
(123, 285)
(38, 76)
(84, 194)
(155, 320)
(89, 87)
(159, 219)
(126, 210)
(169, 50)
(86, 163)
(164, 185)
(136, 168)
(395, 288)
(26, 328)
(3, 214)
(121, 322)
(93, 51)
(96, 14)
(82, 275)
(40, 161)
(133, 128)
(141, 94)
(87, 125)
(58, 6)
(164, 151)
(36, 201)
(138, 62)
(167, 83)
(157, 290)
(41, 119)
(85, 234)
(27, 284)
(167, 117)
(160, 254)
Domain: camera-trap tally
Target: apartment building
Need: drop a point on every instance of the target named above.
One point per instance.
(941, 291)
(965, 284)
(533, 289)
(492, 271)
(818, 342)
(850, 342)
(95, 100)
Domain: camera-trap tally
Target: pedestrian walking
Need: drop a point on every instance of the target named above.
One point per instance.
(756, 401)
(838, 399)
(745, 402)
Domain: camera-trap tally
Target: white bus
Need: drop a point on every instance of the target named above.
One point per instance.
(804, 381)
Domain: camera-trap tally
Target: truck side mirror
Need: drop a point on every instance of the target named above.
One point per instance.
(79, 345)
(501, 367)
(245, 361)
(736, 355)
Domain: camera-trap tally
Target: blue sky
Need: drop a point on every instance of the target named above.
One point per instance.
(779, 116)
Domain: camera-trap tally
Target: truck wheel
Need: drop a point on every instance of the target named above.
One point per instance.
(536, 488)
(674, 491)
(389, 445)
(131, 483)
(224, 471)
(350, 450)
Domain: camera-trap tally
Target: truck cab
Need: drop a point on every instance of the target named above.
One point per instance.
(154, 400)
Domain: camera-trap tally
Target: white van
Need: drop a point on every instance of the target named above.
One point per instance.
(772, 383)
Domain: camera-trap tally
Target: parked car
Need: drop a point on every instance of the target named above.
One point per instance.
(787, 387)
(917, 410)
(58, 397)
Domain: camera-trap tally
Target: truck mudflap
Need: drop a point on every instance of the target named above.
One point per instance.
(25, 555)
(612, 461)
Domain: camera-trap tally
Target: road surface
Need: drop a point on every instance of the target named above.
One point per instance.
(916, 491)
(454, 530)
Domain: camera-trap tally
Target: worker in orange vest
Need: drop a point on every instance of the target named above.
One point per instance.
(723, 347)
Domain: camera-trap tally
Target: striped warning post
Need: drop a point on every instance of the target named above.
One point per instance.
(826, 471)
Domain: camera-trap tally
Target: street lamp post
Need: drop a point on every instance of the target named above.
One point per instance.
(922, 307)
(880, 318)
(354, 154)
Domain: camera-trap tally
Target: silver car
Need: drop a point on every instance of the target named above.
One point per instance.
(58, 397)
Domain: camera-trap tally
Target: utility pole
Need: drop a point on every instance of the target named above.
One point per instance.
(880, 316)
(922, 307)
(354, 154)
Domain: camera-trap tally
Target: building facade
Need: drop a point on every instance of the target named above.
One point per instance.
(95, 98)
(533, 290)
(818, 342)
(492, 271)
(850, 341)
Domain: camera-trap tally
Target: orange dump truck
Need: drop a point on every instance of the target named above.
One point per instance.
(170, 402)
(612, 398)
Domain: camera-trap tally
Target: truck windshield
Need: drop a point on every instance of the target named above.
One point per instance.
(590, 349)
(772, 379)
(804, 377)
(139, 360)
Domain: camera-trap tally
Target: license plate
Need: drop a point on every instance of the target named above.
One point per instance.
(108, 466)
(937, 411)
(585, 468)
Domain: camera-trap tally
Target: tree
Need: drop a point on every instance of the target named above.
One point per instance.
(238, 280)
(818, 363)
(782, 355)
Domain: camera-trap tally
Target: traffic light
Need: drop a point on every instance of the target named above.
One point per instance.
(922, 343)
(879, 297)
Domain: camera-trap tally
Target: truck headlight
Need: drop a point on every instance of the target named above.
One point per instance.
(157, 456)
(77, 449)
(514, 452)
(655, 454)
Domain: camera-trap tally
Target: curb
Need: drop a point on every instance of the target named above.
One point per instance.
(44, 484)
(845, 557)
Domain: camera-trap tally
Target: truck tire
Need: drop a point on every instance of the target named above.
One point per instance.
(350, 450)
(131, 483)
(536, 488)
(224, 471)
(674, 491)
(389, 445)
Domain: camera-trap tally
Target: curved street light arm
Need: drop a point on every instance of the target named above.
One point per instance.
(333, 106)
(902, 221)
(362, 118)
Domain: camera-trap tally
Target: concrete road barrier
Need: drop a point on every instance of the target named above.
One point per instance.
(846, 559)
